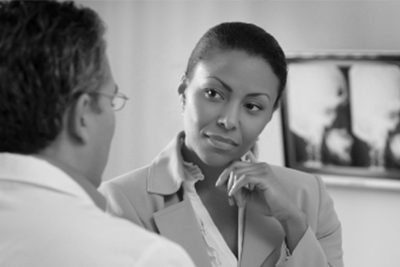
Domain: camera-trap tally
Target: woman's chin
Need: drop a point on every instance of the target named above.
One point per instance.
(217, 162)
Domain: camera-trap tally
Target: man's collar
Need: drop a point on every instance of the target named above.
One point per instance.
(89, 188)
(48, 173)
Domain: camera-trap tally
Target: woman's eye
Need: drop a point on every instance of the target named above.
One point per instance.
(211, 93)
(253, 107)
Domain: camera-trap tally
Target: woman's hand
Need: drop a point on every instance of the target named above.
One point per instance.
(251, 181)
(255, 182)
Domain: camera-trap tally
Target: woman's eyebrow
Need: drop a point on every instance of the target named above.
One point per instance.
(258, 94)
(229, 89)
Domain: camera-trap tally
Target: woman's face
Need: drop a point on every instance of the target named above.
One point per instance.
(227, 104)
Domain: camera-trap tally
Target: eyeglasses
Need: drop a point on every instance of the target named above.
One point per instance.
(118, 100)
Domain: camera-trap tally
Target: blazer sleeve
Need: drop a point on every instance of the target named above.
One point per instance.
(118, 203)
(322, 246)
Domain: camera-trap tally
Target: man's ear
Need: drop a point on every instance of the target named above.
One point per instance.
(79, 119)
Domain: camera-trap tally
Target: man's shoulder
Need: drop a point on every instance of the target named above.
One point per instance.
(117, 229)
(108, 237)
(117, 236)
(75, 233)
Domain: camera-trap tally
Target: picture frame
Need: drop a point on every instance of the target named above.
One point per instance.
(341, 113)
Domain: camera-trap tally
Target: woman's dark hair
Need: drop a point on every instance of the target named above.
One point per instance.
(49, 52)
(246, 37)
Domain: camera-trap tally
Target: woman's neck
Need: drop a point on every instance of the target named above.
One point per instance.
(211, 173)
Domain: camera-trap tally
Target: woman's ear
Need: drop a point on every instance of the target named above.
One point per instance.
(79, 116)
(182, 91)
(183, 85)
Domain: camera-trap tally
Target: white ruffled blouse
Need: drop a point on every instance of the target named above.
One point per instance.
(217, 249)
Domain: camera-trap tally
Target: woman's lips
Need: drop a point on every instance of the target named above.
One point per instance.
(221, 142)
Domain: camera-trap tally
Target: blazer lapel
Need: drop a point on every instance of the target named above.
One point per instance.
(178, 223)
(262, 241)
(176, 220)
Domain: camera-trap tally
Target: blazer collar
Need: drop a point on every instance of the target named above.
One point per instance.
(263, 235)
(166, 172)
(177, 220)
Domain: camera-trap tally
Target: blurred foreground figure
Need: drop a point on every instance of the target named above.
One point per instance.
(57, 103)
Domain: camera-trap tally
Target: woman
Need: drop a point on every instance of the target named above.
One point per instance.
(206, 191)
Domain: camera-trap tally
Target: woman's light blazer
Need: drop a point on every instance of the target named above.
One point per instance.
(153, 198)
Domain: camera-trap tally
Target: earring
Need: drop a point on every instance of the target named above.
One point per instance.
(182, 100)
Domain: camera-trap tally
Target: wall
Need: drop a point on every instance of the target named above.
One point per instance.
(149, 43)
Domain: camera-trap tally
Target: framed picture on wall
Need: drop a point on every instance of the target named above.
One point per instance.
(341, 113)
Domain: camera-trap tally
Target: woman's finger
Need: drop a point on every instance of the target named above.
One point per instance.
(242, 182)
(251, 187)
(240, 196)
(231, 181)
(251, 157)
(225, 174)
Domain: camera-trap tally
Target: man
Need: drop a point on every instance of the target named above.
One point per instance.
(57, 96)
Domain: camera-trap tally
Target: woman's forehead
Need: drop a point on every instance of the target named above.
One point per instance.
(239, 71)
(233, 60)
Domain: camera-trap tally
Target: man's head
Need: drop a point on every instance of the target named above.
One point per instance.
(53, 71)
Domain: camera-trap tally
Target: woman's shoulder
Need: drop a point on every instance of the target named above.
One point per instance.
(298, 181)
(127, 183)
(292, 173)
(128, 196)
(307, 190)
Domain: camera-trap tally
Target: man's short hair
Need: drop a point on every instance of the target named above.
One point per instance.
(50, 52)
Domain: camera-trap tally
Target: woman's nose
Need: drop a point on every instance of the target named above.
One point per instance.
(229, 118)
